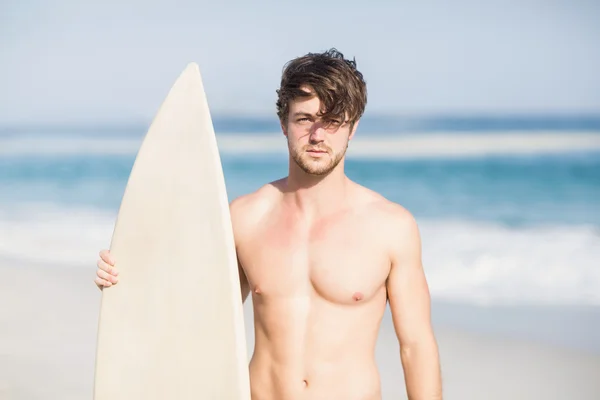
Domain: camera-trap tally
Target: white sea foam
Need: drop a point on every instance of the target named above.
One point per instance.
(363, 146)
(491, 263)
(45, 233)
(467, 261)
(432, 145)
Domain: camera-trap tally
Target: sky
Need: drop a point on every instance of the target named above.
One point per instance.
(77, 61)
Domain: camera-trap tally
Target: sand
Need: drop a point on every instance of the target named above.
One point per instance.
(48, 323)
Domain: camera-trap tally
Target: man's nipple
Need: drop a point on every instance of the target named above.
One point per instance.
(358, 296)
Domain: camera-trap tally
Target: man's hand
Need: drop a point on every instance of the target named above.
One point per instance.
(107, 274)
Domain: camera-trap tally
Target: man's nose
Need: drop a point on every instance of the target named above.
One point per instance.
(317, 134)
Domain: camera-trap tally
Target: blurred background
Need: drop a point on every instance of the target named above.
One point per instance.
(483, 119)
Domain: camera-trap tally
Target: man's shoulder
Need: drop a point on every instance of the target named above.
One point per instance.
(254, 205)
(392, 225)
(391, 217)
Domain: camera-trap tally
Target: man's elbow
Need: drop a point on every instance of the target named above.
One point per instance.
(423, 345)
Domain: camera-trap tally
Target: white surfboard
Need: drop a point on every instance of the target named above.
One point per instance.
(173, 327)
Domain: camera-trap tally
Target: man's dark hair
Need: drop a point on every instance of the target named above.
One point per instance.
(333, 79)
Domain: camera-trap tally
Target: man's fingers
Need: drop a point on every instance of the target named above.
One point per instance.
(106, 257)
(107, 268)
(106, 276)
(101, 283)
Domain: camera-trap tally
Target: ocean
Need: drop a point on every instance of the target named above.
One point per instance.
(509, 209)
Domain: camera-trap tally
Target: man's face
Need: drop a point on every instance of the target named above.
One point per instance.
(316, 146)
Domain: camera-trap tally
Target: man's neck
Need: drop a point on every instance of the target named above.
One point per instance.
(317, 196)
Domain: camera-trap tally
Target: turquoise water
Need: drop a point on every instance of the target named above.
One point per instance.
(557, 189)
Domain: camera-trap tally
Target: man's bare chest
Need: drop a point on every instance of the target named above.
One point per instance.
(343, 262)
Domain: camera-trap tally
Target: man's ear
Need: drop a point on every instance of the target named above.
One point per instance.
(283, 127)
(353, 131)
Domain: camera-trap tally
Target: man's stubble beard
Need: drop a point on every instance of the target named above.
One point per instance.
(303, 161)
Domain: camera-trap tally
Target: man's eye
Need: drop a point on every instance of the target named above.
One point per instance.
(303, 119)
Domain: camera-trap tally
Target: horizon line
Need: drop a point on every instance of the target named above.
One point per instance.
(408, 118)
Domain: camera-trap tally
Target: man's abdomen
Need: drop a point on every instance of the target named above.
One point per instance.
(350, 379)
(309, 348)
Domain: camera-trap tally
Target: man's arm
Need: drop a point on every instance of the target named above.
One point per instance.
(244, 285)
(409, 300)
(237, 213)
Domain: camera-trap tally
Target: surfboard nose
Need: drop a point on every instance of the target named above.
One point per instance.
(192, 67)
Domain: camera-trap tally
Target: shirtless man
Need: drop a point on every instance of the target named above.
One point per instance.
(322, 255)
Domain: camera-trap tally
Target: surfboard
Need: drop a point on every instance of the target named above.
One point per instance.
(173, 327)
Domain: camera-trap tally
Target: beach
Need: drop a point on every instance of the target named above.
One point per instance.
(48, 330)
(510, 235)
